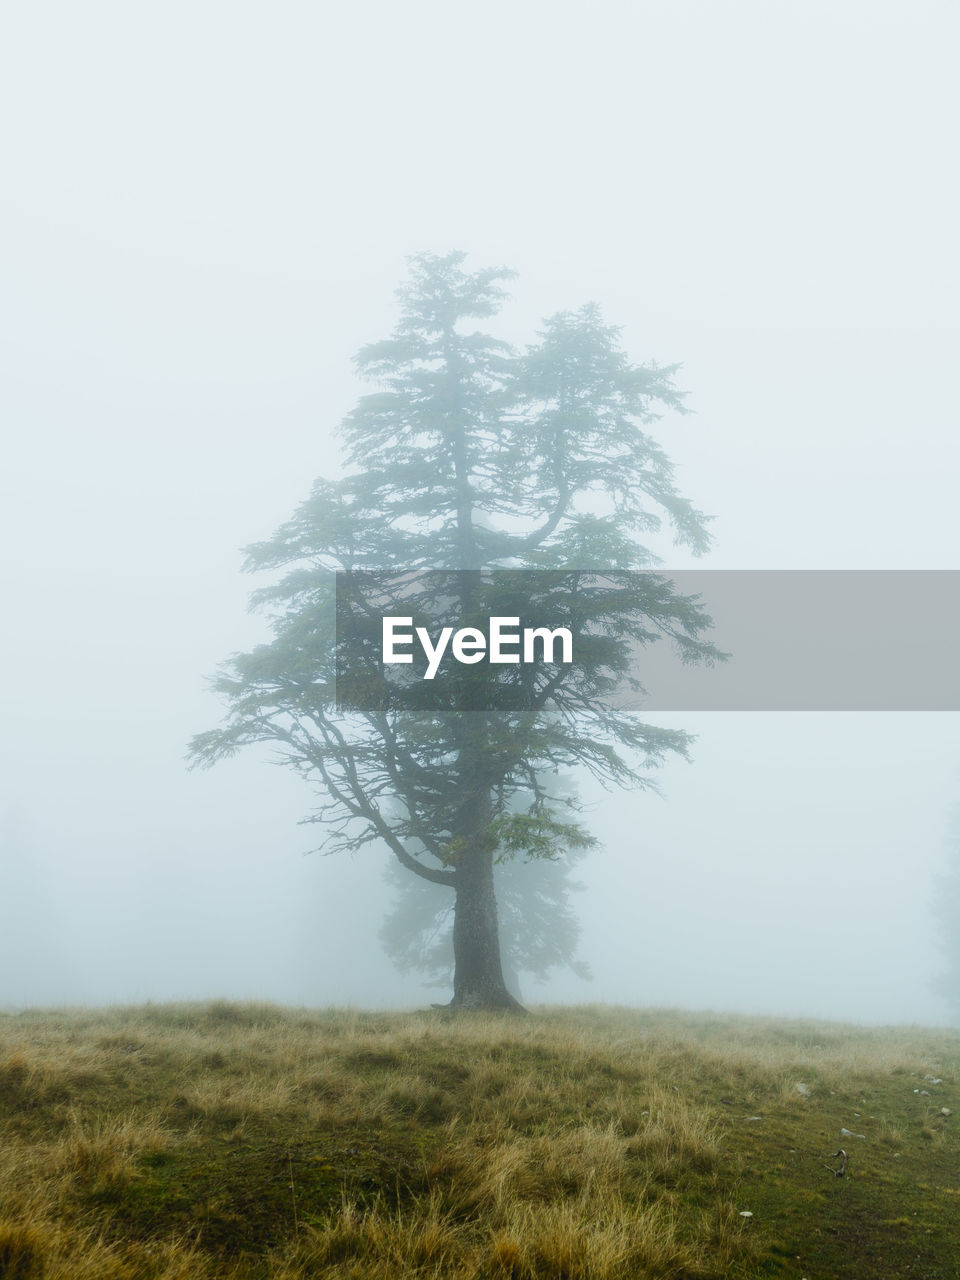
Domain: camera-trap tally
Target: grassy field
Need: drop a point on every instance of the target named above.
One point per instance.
(251, 1141)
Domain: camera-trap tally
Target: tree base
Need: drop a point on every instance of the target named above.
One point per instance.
(474, 1002)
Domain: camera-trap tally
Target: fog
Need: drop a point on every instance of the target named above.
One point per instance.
(207, 210)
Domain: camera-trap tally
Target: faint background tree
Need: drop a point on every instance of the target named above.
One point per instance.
(947, 912)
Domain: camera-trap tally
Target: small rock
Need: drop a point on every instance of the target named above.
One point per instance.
(945, 1111)
(848, 1133)
(750, 1119)
(933, 1080)
(804, 1090)
(745, 1213)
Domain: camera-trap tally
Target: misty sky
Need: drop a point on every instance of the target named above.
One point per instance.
(206, 210)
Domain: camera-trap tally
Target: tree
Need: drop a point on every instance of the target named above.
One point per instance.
(947, 910)
(470, 457)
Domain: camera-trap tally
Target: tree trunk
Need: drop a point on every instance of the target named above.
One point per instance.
(478, 974)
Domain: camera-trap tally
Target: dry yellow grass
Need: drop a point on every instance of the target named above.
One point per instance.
(225, 1141)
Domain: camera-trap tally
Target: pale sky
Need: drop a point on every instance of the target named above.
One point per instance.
(207, 208)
